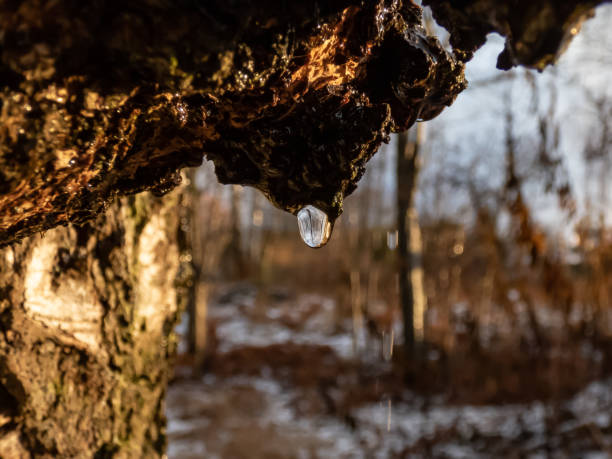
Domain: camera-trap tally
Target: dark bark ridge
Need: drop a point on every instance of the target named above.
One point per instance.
(537, 31)
(106, 98)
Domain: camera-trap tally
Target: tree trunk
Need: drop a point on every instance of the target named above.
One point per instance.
(86, 320)
(412, 295)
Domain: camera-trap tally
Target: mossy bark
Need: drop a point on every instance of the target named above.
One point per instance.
(86, 320)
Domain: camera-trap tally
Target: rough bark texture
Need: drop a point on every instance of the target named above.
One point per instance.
(107, 98)
(536, 31)
(85, 321)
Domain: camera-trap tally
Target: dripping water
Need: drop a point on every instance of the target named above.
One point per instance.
(315, 227)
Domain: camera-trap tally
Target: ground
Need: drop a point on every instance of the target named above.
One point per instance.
(286, 379)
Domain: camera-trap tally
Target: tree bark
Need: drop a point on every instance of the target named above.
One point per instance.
(537, 31)
(104, 98)
(86, 320)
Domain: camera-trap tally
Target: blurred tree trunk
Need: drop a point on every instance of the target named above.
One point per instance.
(412, 295)
(196, 301)
(234, 254)
(86, 320)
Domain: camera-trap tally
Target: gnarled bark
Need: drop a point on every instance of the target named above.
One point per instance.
(537, 31)
(106, 98)
(85, 321)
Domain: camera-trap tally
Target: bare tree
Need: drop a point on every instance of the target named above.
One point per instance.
(410, 248)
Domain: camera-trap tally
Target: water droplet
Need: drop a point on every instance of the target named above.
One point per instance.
(315, 227)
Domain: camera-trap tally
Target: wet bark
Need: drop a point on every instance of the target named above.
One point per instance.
(537, 31)
(102, 99)
(86, 315)
(105, 98)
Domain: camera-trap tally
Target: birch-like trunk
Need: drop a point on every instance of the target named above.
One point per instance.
(86, 320)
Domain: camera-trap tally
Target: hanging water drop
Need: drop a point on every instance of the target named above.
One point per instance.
(315, 227)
